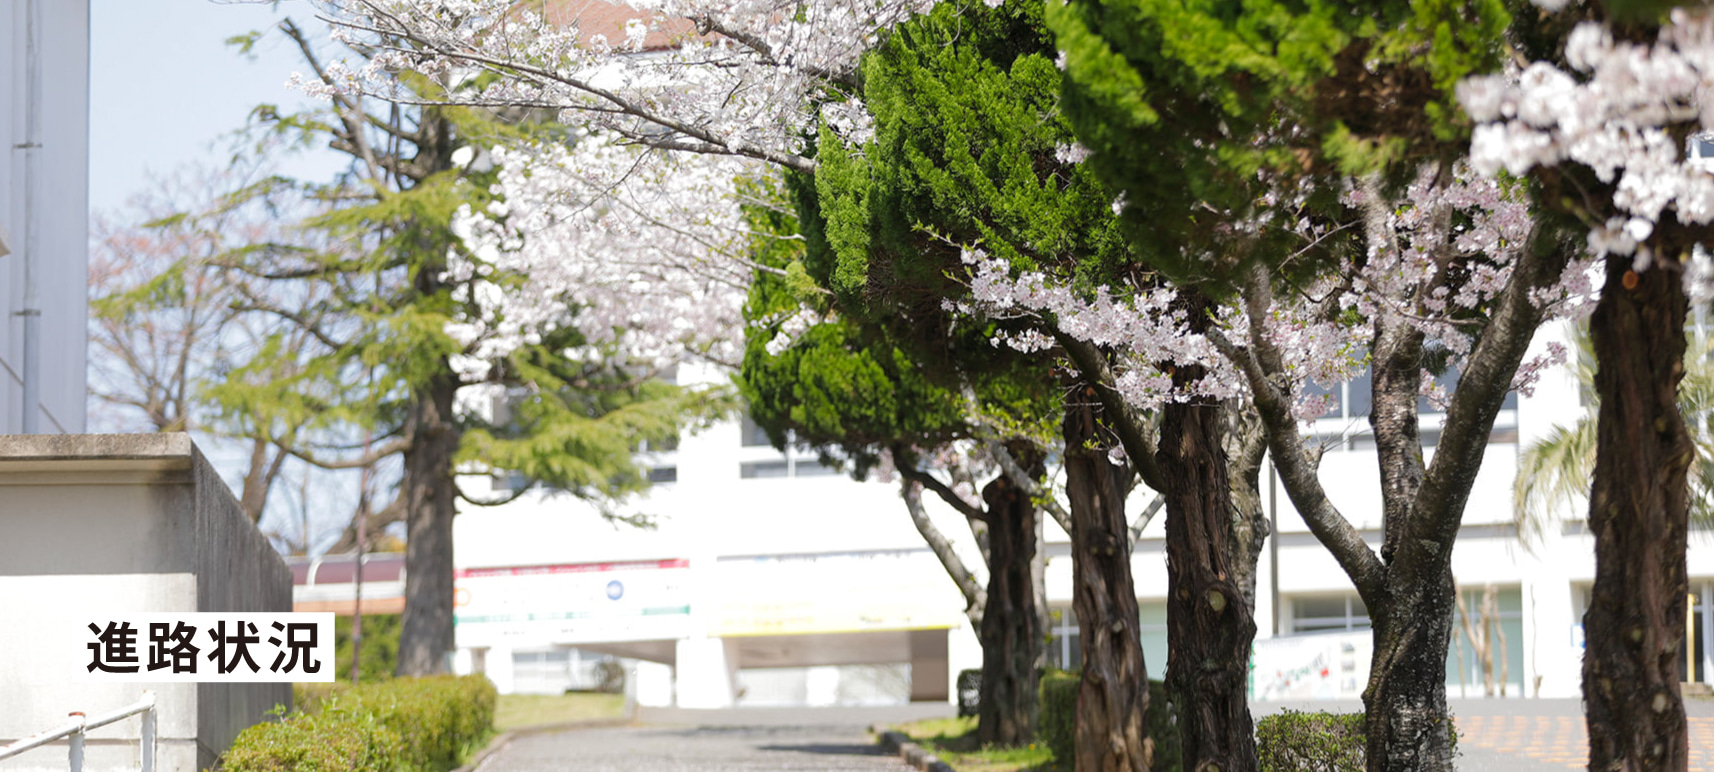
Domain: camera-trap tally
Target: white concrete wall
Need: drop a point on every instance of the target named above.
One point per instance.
(59, 212)
(96, 525)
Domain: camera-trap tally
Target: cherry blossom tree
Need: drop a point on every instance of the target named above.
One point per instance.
(405, 345)
(754, 80)
(1603, 117)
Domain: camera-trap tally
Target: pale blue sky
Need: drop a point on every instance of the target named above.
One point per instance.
(164, 87)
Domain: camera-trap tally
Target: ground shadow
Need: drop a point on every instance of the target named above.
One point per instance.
(827, 749)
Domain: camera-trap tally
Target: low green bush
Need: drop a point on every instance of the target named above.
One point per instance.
(403, 725)
(1290, 741)
(1057, 728)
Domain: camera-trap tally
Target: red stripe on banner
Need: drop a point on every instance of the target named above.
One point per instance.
(570, 568)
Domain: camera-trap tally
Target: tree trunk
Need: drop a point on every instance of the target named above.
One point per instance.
(426, 631)
(1405, 700)
(1209, 624)
(1638, 505)
(1114, 692)
(1246, 443)
(1012, 636)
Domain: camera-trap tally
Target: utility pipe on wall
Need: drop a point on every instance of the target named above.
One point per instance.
(32, 145)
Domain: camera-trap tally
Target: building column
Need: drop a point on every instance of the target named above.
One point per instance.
(498, 666)
(707, 672)
(931, 678)
(653, 683)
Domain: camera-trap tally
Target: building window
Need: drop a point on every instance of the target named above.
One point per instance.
(1064, 649)
(1353, 399)
(753, 435)
(1153, 633)
(1487, 653)
(753, 470)
(663, 474)
(1320, 613)
(1699, 629)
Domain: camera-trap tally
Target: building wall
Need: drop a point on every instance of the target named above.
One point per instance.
(58, 212)
(97, 525)
(713, 513)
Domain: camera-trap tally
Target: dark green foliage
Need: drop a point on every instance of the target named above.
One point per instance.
(380, 647)
(1058, 726)
(967, 129)
(1290, 741)
(850, 387)
(408, 724)
(1196, 109)
(969, 691)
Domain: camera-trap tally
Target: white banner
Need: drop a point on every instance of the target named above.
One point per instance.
(1311, 666)
(175, 647)
(573, 603)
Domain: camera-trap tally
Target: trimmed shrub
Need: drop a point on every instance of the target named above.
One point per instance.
(1290, 741)
(1057, 728)
(412, 724)
(969, 692)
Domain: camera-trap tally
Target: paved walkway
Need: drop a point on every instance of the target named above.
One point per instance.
(811, 739)
(1496, 736)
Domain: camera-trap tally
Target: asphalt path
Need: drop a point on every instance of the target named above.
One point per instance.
(1495, 736)
(813, 739)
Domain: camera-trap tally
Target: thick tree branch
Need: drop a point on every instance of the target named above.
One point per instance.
(1044, 501)
(1146, 516)
(394, 447)
(975, 596)
(1482, 387)
(707, 141)
(941, 489)
(1132, 436)
(1263, 367)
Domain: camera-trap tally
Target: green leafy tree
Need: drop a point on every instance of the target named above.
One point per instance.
(378, 283)
(1206, 118)
(968, 151)
(844, 389)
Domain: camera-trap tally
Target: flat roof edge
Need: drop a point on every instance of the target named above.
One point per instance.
(165, 449)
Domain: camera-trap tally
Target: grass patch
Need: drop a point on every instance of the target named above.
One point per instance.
(516, 711)
(954, 741)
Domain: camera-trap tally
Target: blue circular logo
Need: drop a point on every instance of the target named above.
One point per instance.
(615, 590)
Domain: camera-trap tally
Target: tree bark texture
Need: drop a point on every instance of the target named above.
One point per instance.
(1247, 443)
(1210, 626)
(1638, 506)
(1011, 633)
(1114, 693)
(426, 630)
(1405, 700)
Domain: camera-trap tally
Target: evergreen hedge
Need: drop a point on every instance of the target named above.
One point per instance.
(1057, 728)
(404, 725)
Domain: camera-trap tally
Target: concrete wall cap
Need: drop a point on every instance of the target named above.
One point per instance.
(165, 450)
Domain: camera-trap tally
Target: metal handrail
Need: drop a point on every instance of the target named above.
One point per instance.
(81, 724)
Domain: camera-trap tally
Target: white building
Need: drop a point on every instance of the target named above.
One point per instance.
(44, 209)
(770, 578)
